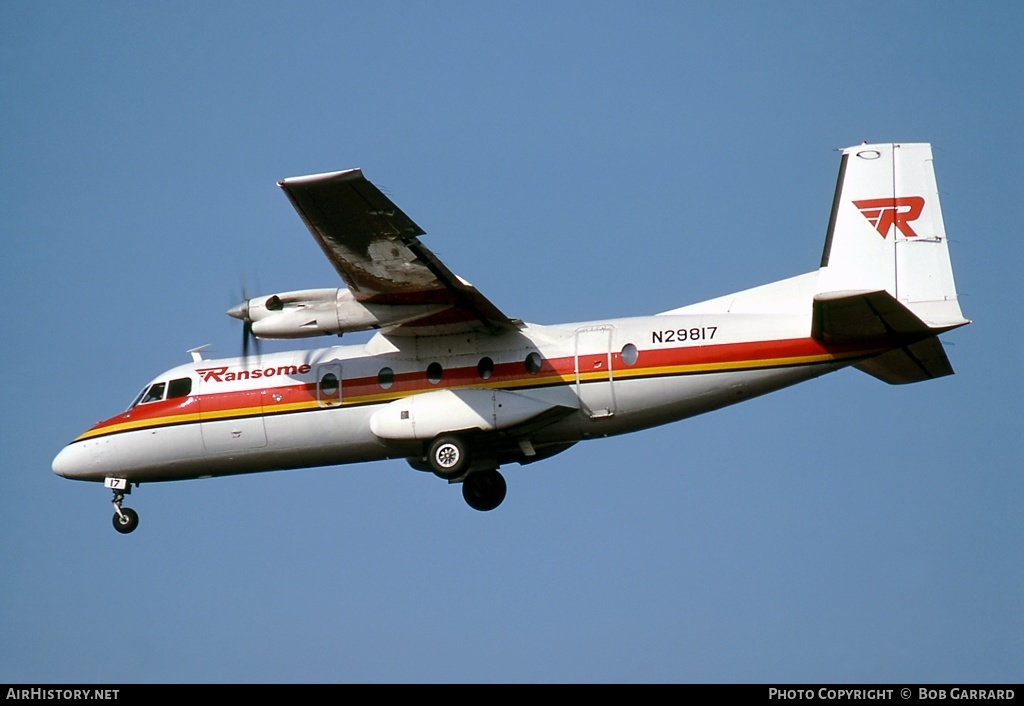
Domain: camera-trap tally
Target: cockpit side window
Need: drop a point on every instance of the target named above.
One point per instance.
(182, 387)
(155, 393)
(179, 388)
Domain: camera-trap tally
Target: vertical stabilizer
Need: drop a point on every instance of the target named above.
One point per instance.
(886, 233)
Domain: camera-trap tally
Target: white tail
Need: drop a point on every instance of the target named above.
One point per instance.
(885, 277)
(886, 233)
(885, 274)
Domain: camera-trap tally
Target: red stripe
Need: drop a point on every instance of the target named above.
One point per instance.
(758, 352)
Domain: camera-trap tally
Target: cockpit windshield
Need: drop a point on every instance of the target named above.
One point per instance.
(138, 398)
(152, 393)
(182, 387)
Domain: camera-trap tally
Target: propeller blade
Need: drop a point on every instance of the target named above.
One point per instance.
(241, 312)
(247, 336)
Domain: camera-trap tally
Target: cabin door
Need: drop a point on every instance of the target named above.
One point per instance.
(328, 385)
(594, 371)
(231, 420)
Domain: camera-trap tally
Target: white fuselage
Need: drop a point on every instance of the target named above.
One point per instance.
(316, 407)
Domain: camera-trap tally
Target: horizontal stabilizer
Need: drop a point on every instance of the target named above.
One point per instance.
(859, 317)
(870, 317)
(924, 360)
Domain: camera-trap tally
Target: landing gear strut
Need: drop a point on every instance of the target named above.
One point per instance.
(484, 490)
(125, 519)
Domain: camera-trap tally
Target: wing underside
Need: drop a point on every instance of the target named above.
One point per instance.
(376, 250)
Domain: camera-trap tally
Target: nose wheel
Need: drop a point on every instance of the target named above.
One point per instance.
(125, 519)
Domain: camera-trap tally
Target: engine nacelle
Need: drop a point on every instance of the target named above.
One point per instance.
(322, 312)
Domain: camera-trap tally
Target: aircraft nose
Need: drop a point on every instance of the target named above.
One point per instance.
(71, 462)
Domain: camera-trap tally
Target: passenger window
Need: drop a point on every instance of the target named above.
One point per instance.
(485, 368)
(181, 387)
(386, 378)
(329, 385)
(434, 372)
(154, 394)
(630, 354)
(533, 363)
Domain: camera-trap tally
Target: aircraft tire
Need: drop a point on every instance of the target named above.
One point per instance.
(484, 490)
(127, 521)
(448, 457)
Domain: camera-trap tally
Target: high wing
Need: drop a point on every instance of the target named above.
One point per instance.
(375, 248)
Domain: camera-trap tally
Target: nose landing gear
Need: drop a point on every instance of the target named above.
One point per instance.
(125, 519)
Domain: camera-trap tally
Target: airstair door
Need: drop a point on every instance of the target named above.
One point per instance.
(594, 383)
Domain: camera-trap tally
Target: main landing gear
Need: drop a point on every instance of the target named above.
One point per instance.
(125, 519)
(484, 490)
(449, 458)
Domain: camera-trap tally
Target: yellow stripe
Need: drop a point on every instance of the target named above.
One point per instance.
(736, 365)
(229, 413)
(139, 424)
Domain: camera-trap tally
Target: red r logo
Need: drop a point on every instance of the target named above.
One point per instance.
(885, 213)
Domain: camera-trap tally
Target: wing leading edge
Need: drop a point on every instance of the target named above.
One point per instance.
(375, 248)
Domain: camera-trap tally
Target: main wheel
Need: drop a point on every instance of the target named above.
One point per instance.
(484, 490)
(126, 521)
(448, 457)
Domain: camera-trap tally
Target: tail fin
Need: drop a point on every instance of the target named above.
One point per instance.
(886, 232)
(885, 272)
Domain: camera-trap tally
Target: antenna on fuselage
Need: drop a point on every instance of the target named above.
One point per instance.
(197, 353)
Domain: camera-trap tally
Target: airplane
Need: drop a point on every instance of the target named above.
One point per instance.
(457, 388)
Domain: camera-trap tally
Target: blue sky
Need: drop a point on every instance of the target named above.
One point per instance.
(574, 161)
